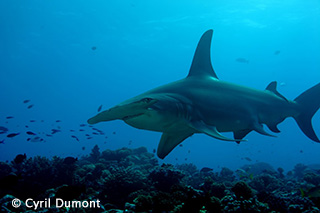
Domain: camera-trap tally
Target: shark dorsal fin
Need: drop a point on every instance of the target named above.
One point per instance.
(201, 63)
(272, 87)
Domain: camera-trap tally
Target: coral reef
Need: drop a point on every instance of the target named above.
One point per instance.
(242, 190)
(165, 177)
(131, 180)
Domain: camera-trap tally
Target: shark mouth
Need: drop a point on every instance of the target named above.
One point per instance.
(131, 116)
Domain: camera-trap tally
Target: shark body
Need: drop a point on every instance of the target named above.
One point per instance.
(201, 103)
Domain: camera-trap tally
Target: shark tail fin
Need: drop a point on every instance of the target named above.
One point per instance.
(309, 103)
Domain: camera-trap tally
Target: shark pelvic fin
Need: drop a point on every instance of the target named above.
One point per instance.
(272, 87)
(169, 141)
(210, 130)
(273, 128)
(259, 128)
(201, 64)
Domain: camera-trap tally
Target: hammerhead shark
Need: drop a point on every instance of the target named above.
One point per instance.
(201, 103)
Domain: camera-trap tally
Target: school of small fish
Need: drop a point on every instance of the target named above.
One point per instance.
(37, 137)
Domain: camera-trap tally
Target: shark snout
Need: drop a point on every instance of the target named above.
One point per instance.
(123, 111)
(106, 115)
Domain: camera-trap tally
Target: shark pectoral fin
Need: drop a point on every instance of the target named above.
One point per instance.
(259, 128)
(169, 141)
(239, 135)
(273, 128)
(209, 130)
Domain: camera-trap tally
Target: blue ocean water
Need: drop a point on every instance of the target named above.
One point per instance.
(70, 57)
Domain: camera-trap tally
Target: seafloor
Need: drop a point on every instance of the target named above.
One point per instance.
(131, 180)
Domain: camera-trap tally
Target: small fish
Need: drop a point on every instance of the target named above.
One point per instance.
(9, 117)
(32, 121)
(314, 192)
(89, 138)
(20, 158)
(36, 139)
(70, 160)
(87, 135)
(180, 145)
(205, 170)
(26, 126)
(30, 133)
(277, 52)
(54, 131)
(3, 129)
(95, 133)
(71, 130)
(30, 106)
(75, 137)
(2, 141)
(247, 158)
(26, 101)
(241, 173)
(58, 121)
(250, 176)
(82, 125)
(114, 133)
(48, 135)
(94, 48)
(83, 148)
(12, 135)
(81, 130)
(242, 60)
(99, 108)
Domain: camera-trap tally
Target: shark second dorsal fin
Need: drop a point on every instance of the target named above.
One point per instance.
(272, 87)
(201, 64)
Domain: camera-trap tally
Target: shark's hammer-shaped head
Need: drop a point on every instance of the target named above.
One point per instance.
(156, 111)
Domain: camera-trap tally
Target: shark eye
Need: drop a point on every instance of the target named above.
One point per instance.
(147, 100)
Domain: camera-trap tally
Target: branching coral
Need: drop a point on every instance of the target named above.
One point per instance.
(120, 183)
(164, 177)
